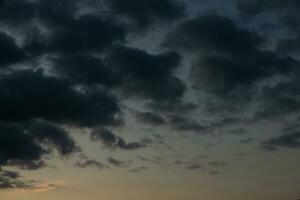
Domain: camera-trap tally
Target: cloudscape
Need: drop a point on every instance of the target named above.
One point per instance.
(149, 99)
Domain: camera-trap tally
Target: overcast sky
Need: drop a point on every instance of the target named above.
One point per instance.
(149, 99)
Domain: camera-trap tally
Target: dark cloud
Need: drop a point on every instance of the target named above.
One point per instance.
(28, 95)
(68, 31)
(57, 11)
(17, 145)
(10, 174)
(16, 12)
(289, 140)
(29, 165)
(150, 118)
(105, 136)
(291, 127)
(115, 162)
(10, 53)
(32, 104)
(227, 75)
(86, 33)
(251, 8)
(203, 33)
(110, 140)
(122, 144)
(90, 68)
(75, 68)
(90, 163)
(278, 109)
(54, 136)
(289, 45)
(13, 180)
(83, 68)
(171, 113)
(148, 12)
(284, 15)
(279, 101)
(146, 75)
(228, 64)
(288, 21)
(25, 144)
(231, 65)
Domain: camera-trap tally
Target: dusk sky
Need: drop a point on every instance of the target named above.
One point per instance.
(149, 100)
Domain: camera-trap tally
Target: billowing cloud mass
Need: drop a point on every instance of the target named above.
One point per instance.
(10, 52)
(69, 68)
(289, 18)
(95, 66)
(234, 66)
(28, 94)
(229, 63)
(145, 13)
(25, 143)
(145, 75)
(16, 12)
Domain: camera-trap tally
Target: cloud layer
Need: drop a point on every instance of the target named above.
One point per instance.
(75, 64)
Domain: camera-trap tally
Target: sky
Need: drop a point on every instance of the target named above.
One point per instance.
(149, 99)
